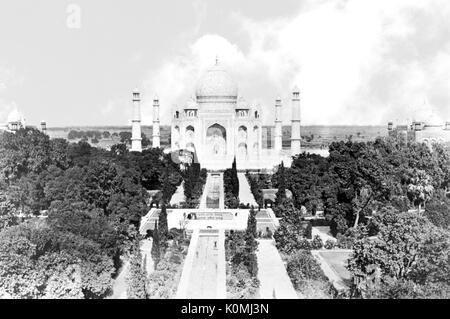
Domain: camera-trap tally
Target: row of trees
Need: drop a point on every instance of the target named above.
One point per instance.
(231, 186)
(75, 134)
(359, 178)
(194, 181)
(258, 182)
(408, 258)
(95, 136)
(241, 250)
(373, 196)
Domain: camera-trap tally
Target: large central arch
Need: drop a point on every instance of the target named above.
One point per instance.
(216, 140)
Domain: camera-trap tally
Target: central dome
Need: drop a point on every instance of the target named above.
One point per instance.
(216, 83)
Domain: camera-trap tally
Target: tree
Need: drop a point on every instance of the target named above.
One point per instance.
(125, 137)
(231, 186)
(167, 190)
(8, 212)
(34, 258)
(420, 188)
(301, 267)
(438, 210)
(360, 202)
(251, 245)
(145, 141)
(137, 277)
(156, 249)
(281, 193)
(106, 134)
(407, 248)
(251, 223)
(289, 236)
(163, 227)
(234, 179)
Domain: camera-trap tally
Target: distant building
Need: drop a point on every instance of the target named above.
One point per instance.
(428, 132)
(15, 122)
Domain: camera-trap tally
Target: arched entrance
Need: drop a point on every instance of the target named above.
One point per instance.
(216, 140)
(242, 151)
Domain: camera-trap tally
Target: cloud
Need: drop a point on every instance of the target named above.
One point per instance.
(355, 61)
(8, 79)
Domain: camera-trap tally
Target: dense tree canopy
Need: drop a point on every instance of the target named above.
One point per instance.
(359, 178)
(93, 200)
(407, 248)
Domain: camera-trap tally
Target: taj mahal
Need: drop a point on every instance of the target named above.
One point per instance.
(218, 125)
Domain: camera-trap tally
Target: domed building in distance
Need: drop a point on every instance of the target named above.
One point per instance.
(14, 122)
(430, 130)
(219, 125)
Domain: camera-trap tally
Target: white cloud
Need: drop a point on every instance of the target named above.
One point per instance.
(355, 61)
(8, 78)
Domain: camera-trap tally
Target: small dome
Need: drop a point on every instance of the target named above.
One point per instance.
(191, 104)
(433, 120)
(15, 116)
(242, 104)
(216, 83)
(429, 116)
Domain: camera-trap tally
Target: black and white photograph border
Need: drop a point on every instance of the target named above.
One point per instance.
(247, 152)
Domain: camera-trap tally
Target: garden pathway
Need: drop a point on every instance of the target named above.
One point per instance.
(120, 283)
(178, 196)
(204, 275)
(214, 191)
(274, 280)
(323, 232)
(245, 193)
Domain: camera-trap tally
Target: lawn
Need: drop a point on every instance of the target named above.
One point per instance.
(338, 262)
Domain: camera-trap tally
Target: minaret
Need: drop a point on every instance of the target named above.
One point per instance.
(44, 127)
(295, 130)
(156, 133)
(278, 126)
(136, 138)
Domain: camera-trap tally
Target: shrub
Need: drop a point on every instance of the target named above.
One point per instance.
(308, 230)
(304, 245)
(338, 225)
(345, 242)
(301, 267)
(329, 244)
(317, 242)
(268, 233)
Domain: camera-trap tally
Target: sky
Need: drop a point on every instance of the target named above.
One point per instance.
(356, 62)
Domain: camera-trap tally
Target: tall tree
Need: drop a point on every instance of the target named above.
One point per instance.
(137, 276)
(156, 249)
(163, 227)
(420, 188)
(281, 193)
(251, 244)
(235, 179)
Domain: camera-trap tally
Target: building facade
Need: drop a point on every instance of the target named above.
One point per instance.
(218, 125)
(15, 122)
(429, 132)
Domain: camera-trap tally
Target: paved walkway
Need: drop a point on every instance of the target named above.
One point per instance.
(274, 280)
(245, 193)
(120, 284)
(213, 188)
(178, 196)
(323, 232)
(203, 275)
